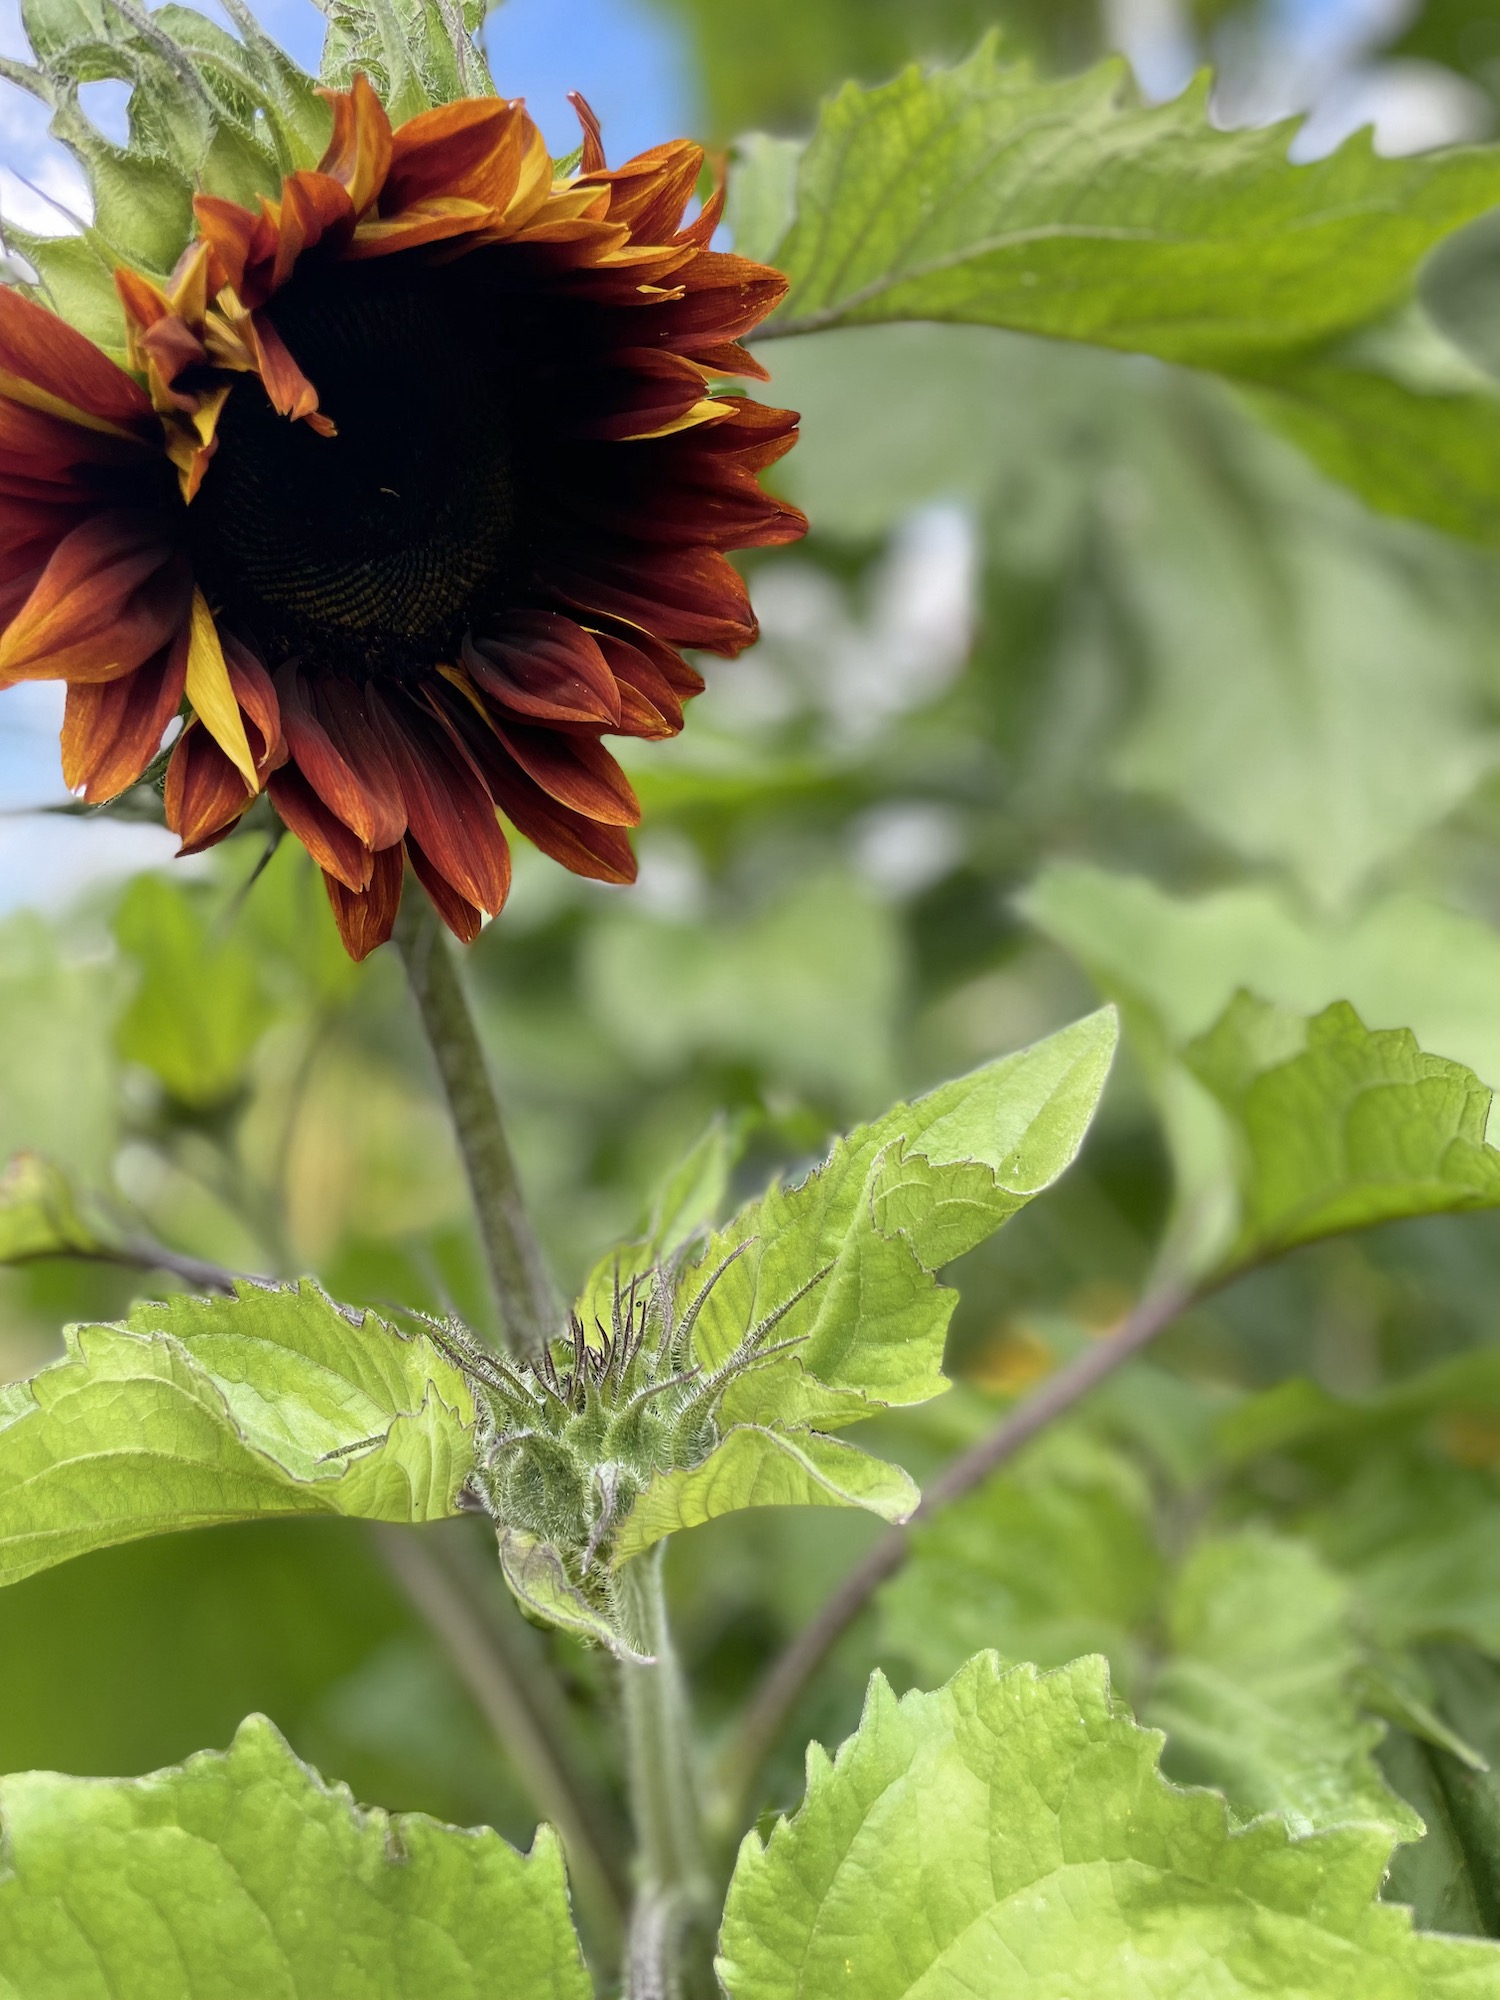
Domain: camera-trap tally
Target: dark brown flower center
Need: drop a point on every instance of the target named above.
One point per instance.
(369, 550)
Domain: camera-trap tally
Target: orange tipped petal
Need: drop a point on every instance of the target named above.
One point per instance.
(593, 161)
(583, 845)
(205, 795)
(472, 149)
(112, 729)
(359, 153)
(113, 593)
(45, 364)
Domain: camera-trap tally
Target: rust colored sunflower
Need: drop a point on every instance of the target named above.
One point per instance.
(414, 493)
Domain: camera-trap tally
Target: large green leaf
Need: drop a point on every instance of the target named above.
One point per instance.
(1244, 1650)
(1013, 1834)
(242, 1872)
(1339, 1127)
(1067, 208)
(197, 1411)
(843, 1261)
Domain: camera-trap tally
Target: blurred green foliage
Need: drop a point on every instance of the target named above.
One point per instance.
(1085, 684)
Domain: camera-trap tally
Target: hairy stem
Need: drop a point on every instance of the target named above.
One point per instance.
(529, 1312)
(779, 1693)
(672, 1887)
(500, 1663)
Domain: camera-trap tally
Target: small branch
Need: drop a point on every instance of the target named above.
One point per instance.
(673, 1888)
(511, 1687)
(144, 1257)
(529, 1311)
(772, 1706)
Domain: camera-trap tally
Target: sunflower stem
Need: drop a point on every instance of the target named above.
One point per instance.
(672, 1887)
(529, 1311)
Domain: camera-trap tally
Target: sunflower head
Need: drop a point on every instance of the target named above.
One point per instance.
(416, 482)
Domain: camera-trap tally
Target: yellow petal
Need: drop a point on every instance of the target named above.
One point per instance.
(212, 697)
(700, 413)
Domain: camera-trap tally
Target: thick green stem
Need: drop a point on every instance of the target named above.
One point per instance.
(529, 1312)
(673, 1888)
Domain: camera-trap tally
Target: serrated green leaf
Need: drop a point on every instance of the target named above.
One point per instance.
(1258, 1694)
(762, 201)
(242, 1872)
(418, 53)
(1012, 1833)
(750, 1467)
(1065, 207)
(77, 282)
(39, 1214)
(537, 1577)
(203, 1410)
(893, 1201)
(1341, 1128)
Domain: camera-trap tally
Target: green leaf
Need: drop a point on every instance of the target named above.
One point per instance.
(242, 1872)
(859, 1239)
(199, 1008)
(1462, 1803)
(1014, 1828)
(1340, 1128)
(1065, 207)
(751, 1467)
(204, 1410)
(1055, 1557)
(537, 1578)
(39, 1212)
(417, 53)
(686, 1202)
(1258, 1694)
(1426, 452)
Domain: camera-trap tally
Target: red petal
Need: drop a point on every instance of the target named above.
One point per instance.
(447, 808)
(312, 750)
(654, 709)
(37, 347)
(112, 729)
(254, 691)
(643, 390)
(689, 597)
(593, 160)
(602, 853)
(539, 663)
(366, 920)
(205, 794)
(577, 771)
(461, 917)
(114, 593)
(336, 850)
(344, 713)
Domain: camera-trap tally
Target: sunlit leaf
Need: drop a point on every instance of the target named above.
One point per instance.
(199, 1410)
(842, 1263)
(1339, 1127)
(751, 1467)
(1067, 207)
(1017, 1828)
(242, 1871)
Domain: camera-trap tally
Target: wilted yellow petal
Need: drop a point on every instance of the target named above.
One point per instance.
(212, 697)
(700, 413)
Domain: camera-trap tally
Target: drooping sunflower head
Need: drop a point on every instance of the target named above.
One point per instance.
(416, 489)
